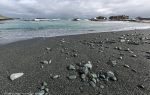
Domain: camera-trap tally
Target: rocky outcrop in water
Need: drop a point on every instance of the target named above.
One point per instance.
(99, 18)
(119, 17)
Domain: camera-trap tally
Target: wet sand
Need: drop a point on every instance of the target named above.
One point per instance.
(99, 48)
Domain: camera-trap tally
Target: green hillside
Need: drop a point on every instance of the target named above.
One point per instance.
(4, 18)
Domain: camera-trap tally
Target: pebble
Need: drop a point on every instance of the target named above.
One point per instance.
(133, 55)
(94, 80)
(71, 67)
(84, 70)
(111, 75)
(88, 65)
(72, 77)
(102, 76)
(48, 48)
(92, 84)
(112, 63)
(44, 84)
(16, 75)
(101, 86)
(44, 62)
(141, 86)
(125, 65)
(40, 92)
(46, 89)
(92, 75)
(55, 77)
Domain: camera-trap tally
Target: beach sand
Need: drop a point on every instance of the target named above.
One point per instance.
(98, 48)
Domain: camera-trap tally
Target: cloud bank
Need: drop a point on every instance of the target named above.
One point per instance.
(74, 8)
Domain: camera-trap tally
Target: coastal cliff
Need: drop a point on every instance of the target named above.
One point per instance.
(4, 18)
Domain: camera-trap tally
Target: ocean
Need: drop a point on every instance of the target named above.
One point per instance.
(22, 29)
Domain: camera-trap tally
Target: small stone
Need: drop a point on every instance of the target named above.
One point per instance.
(94, 80)
(102, 76)
(44, 84)
(75, 55)
(83, 76)
(125, 65)
(92, 75)
(120, 58)
(133, 55)
(81, 88)
(122, 40)
(71, 67)
(88, 65)
(48, 48)
(46, 89)
(134, 70)
(40, 92)
(101, 86)
(141, 86)
(55, 77)
(50, 61)
(112, 63)
(42, 87)
(84, 70)
(42, 66)
(92, 84)
(79, 63)
(72, 77)
(44, 62)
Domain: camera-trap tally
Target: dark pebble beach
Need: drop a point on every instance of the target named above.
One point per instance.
(129, 49)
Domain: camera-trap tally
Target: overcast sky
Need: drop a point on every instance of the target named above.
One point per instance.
(74, 8)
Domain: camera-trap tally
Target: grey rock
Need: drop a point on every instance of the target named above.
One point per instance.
(44, 84)
(71, 67)
(46, 89)
(125, 65)
(42, 87)
(94, 80)
(112, 63)
(102, 76)
(72, 77)
(40, 92)
(44, 62)
(92, 84)
(88, 65)
(101, 86)
(84, 70)
(55, 76)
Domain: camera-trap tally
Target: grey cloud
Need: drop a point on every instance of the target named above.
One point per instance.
(74, 8)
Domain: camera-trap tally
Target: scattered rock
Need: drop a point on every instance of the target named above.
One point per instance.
(56, 76)
(16, 75)
(72, 77)
(125, 65)
(92, 84)
(112, 63)
(71, 67)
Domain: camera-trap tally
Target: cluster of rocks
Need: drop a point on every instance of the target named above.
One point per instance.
(87, 75)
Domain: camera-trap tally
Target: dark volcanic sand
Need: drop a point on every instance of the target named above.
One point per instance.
(25, 56)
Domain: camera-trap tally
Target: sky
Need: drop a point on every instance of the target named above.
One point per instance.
(74, 8)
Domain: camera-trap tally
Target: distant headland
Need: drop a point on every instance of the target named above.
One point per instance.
(4, 18)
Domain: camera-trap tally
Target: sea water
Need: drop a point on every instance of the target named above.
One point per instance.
(20, 29)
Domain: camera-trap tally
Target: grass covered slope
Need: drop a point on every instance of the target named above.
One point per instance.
(4, 17)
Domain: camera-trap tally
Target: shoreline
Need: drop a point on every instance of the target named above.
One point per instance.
(98, 48)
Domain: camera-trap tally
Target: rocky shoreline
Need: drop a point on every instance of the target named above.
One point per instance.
(112, 63)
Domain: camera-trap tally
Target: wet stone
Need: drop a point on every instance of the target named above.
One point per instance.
(72, 77)
(125, 65)
(92, 84)
(44, 62)
(84, 70)
(71, 67)
(101, 86)
(44, 84)
(112, 63)
(55, 77)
